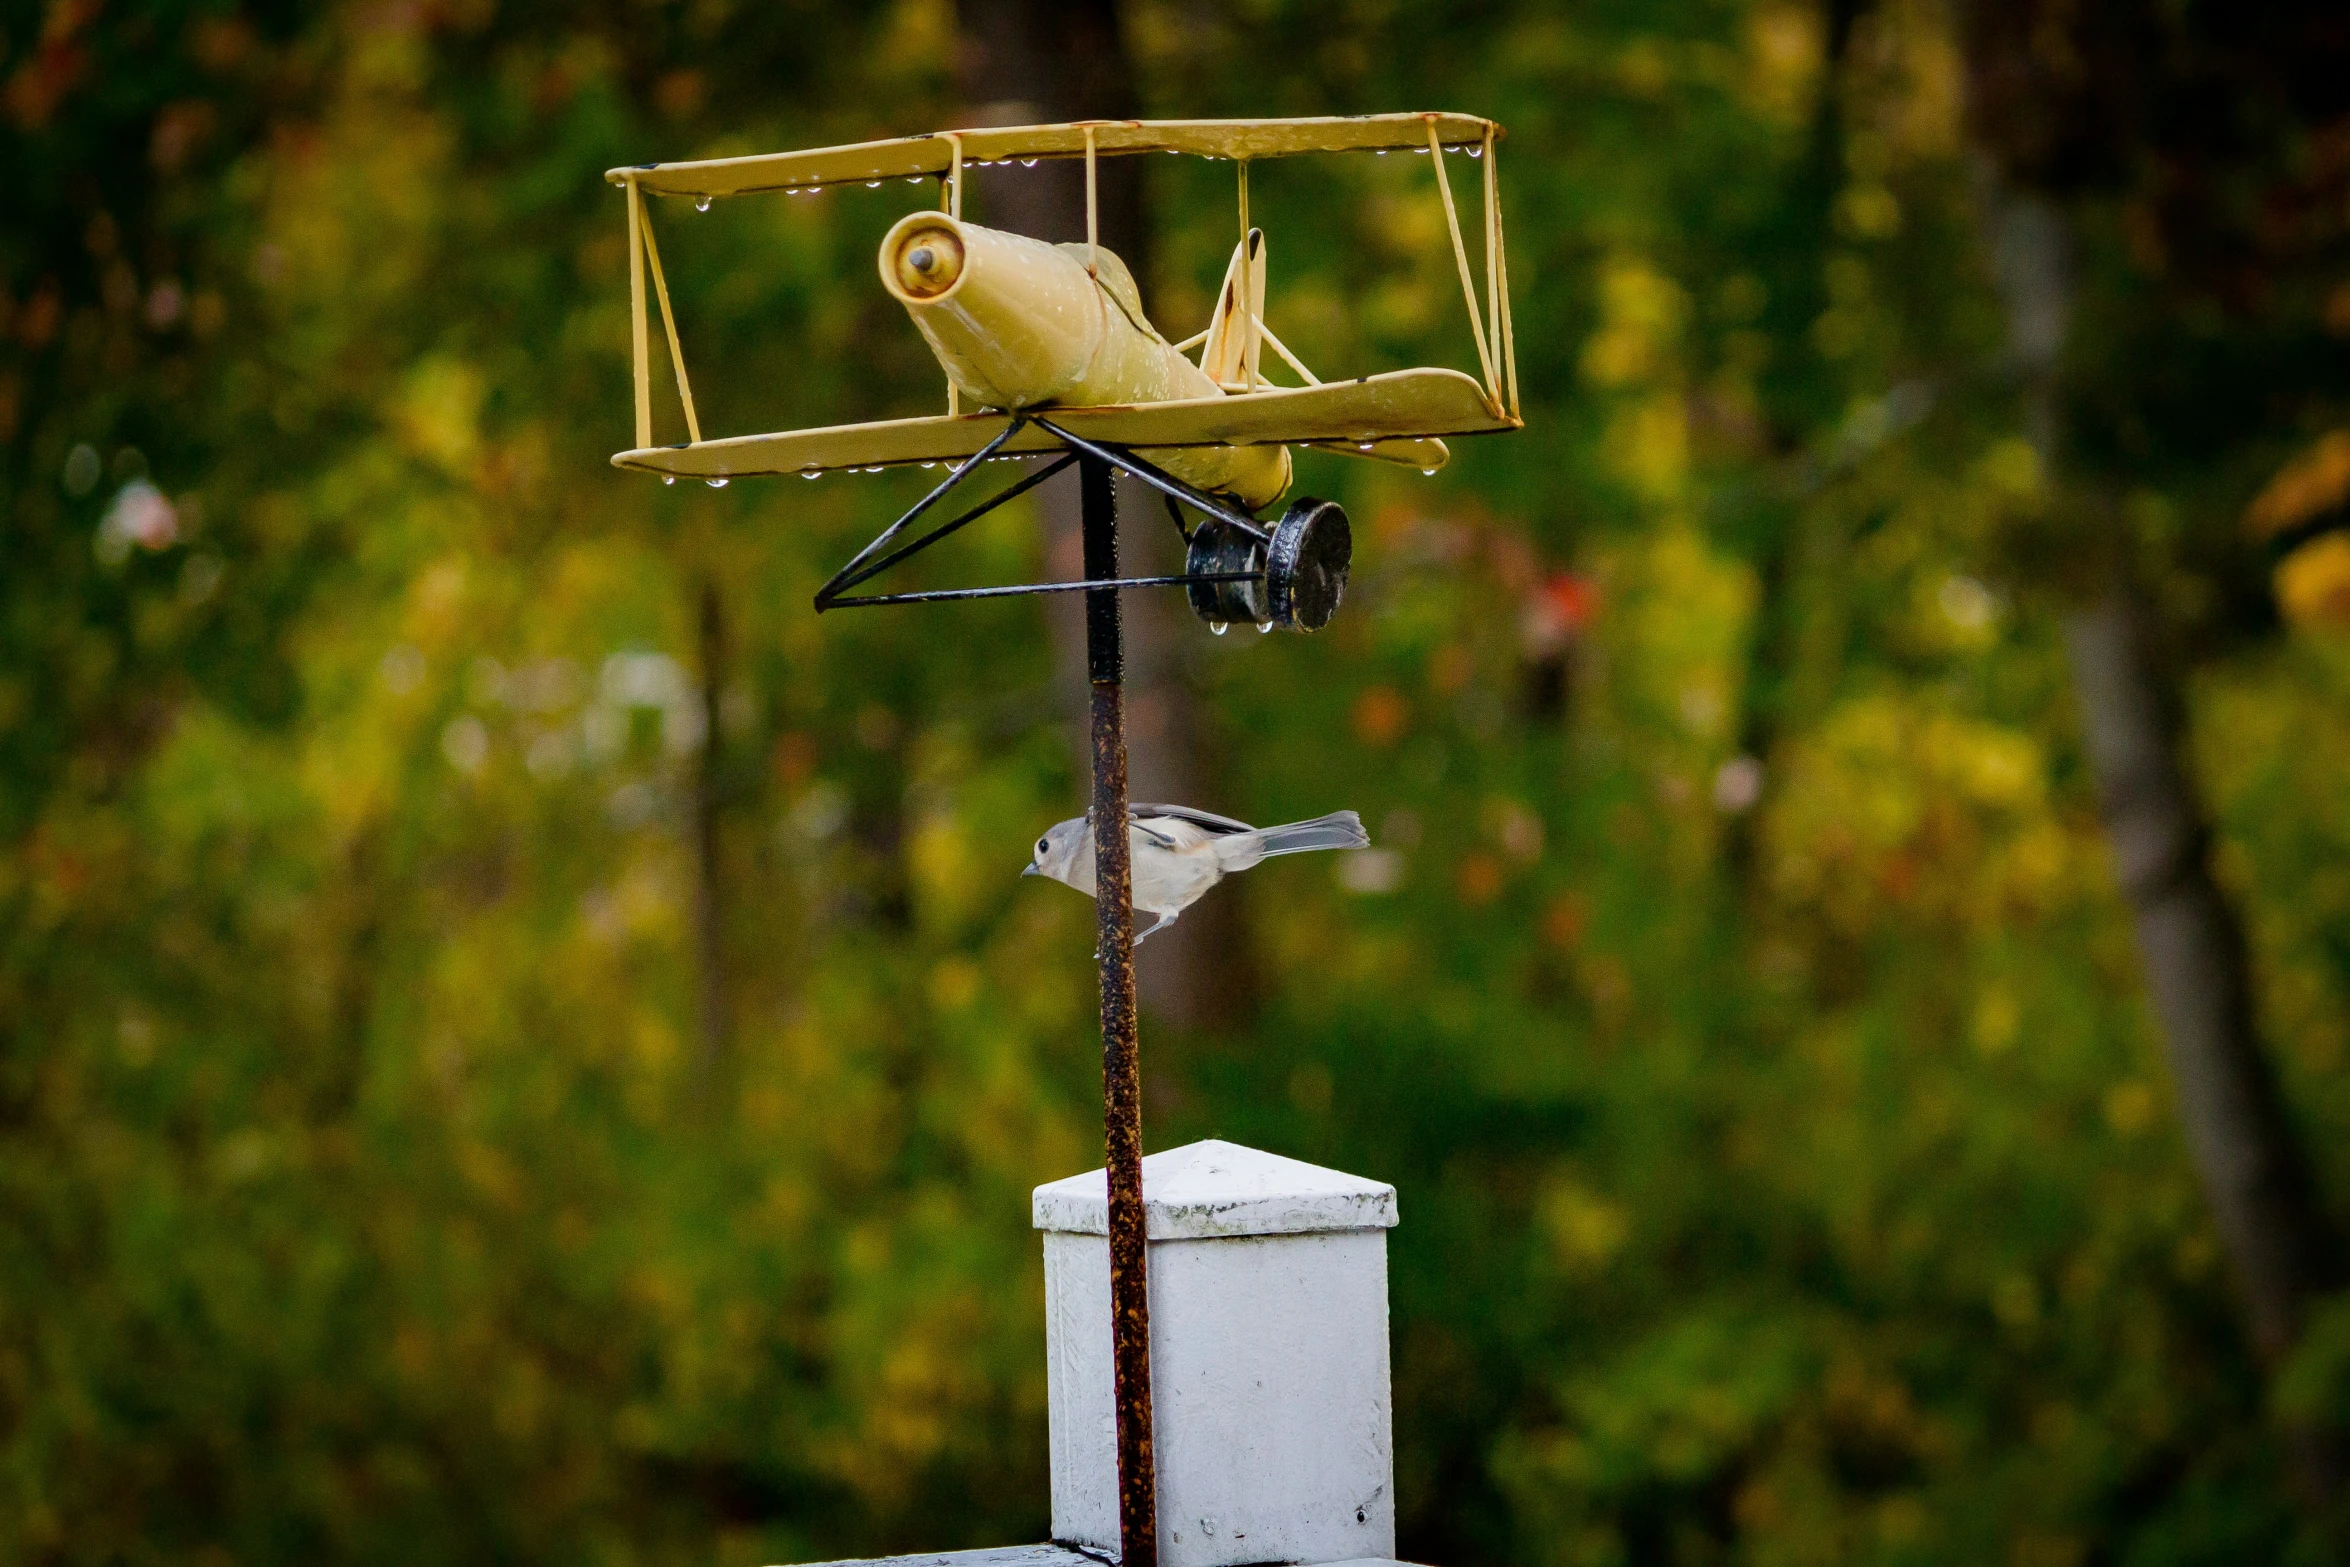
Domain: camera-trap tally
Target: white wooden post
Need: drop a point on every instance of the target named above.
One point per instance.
(1268, 1298)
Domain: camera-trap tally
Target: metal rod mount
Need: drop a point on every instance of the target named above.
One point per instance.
(1130, 1328)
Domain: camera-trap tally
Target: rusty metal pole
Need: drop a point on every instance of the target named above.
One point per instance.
(1130, 1312)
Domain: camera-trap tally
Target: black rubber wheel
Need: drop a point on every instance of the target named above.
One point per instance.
(1218, 546)
(1305, 571)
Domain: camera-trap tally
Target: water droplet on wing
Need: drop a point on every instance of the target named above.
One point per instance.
(1217, 628)
(701, 204)
(716, 484)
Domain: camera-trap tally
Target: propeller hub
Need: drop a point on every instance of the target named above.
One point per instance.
(928, 261)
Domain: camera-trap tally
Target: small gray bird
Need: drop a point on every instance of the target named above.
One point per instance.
(1179, 853)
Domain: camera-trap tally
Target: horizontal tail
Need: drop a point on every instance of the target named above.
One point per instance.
(1338, 830)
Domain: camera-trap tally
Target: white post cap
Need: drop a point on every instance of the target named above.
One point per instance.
(1213, 1189)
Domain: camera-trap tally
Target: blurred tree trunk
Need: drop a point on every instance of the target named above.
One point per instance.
(1038, 61)
(1797, 543)
(709, 905)
(2196, 967)
(2198, 971)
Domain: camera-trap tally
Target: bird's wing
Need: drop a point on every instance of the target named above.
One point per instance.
(1214, 825)
(1178, 834)
(1180, 827)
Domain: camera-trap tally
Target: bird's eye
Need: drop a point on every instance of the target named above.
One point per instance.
(1041, 846)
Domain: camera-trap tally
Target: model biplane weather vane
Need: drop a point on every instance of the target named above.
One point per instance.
(1048, 348)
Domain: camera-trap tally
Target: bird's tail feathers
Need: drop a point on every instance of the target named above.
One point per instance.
(1338, 830)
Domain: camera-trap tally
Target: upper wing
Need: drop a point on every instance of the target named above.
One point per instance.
(912, 157)
(1218, 825)
(1396, 416)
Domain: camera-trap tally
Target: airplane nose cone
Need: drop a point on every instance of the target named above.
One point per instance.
(925, 260)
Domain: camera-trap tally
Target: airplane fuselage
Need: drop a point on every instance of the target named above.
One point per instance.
(1020, 324)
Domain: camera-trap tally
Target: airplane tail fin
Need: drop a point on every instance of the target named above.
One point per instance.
(1233, 350)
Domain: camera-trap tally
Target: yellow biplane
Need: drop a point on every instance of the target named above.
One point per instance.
(1049, 349)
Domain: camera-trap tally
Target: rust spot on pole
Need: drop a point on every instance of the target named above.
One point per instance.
(1130, 1327)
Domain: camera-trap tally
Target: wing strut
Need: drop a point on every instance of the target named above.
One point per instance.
(641, 250)
(870, 562)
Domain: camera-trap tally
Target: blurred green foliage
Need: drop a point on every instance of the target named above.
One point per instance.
(1744, 1010)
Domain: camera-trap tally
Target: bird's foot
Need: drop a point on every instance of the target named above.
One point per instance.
(1158, 923)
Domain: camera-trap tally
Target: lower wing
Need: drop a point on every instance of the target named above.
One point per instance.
(1397, 417)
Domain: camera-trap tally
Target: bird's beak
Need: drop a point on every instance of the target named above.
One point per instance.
(1029, 869)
